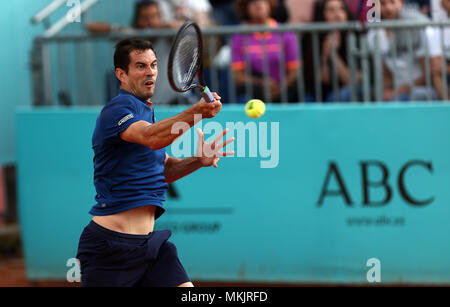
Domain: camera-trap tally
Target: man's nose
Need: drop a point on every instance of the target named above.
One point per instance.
(150, 72)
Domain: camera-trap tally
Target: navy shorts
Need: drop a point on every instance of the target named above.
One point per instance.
(112, 259)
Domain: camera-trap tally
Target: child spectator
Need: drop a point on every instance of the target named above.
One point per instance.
(254, 49)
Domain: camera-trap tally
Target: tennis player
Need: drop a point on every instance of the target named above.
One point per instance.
(131, 174)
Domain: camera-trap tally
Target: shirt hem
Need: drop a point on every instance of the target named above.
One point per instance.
(112, 211)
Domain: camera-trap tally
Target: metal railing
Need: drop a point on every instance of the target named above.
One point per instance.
(44, 14)
(75, 69)
(75, 13)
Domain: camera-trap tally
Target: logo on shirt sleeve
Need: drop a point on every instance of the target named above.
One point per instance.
(125, 119)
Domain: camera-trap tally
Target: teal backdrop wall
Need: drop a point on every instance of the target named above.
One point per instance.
(347, 188)
(17, 34)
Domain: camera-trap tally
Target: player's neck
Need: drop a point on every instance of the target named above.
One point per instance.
(133, 93)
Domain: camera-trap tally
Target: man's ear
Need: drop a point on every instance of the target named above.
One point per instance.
(121, 75)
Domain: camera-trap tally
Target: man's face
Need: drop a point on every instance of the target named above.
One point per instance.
(446, 6)
(142, 73)
(149, 17)
(390, 9)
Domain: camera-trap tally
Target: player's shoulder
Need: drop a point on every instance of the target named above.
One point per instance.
(121, 105)
(122, 101)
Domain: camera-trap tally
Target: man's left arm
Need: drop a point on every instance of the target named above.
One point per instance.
(436, 74)
(208, 154)
(175, 169)
(435, 54)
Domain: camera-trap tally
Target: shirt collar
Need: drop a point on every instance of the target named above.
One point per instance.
(124, 92)
(267, 35)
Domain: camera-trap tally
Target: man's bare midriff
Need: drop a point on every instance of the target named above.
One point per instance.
(138, 221)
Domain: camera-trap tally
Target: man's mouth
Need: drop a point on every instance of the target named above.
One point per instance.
(149, 83)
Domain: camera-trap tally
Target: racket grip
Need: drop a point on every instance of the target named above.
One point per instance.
(207, 95)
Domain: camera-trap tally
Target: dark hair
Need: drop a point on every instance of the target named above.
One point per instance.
(141, 4)
(319, 16)
(242, 8)
(319, 8)
(125, 47)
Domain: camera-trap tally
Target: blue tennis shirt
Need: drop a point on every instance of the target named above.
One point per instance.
(126, 175)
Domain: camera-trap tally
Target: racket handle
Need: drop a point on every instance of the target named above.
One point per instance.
(207, 95)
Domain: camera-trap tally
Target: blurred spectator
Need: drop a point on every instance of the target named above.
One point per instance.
(329, 11)
(147, 15)
(446, 6)
(250, 49)
(424, 6)
(360, 8)
(172, 14)
(300, 11)
(403, 67)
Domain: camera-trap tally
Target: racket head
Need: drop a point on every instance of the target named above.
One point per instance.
(185, 58)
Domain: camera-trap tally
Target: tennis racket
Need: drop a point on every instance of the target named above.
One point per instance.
(185, 61)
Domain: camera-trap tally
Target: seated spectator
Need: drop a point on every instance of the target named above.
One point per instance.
(360, 8)
(250, 49)
(329, 11)
(446, 6)
(401, 68)
(147, 16)
(424, 6)
(172, 14)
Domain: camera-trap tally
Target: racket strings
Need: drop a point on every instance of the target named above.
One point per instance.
(187, 60)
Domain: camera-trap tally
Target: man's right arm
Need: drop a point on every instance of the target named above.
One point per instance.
(160, 135)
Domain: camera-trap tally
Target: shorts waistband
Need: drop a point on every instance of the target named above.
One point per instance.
(114, 235)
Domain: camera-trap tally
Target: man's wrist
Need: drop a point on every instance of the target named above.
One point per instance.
(189, 114)
(197, 161)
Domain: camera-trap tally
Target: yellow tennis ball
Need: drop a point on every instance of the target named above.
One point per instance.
(255, 108)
